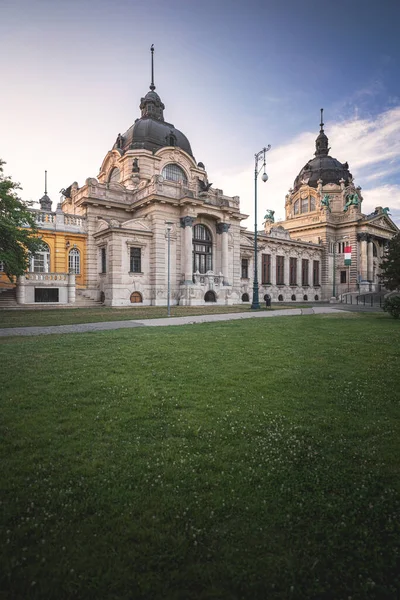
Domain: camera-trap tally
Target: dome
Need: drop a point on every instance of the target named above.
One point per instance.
(152, 134)
(323, 166)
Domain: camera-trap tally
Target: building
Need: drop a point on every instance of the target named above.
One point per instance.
(152, 199)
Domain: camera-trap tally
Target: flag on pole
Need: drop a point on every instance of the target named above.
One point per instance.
(347, 256)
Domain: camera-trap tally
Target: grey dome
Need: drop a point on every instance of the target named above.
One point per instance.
(152, 135)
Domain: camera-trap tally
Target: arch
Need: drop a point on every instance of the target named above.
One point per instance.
(280, 298)
(114, 175)
(40, 261)
(316, 297)
(210, 296)
(173, 172)
(74, 261)
(136, 298)
(305, 297)
(293, 297)
(202, 249)
(245, 298)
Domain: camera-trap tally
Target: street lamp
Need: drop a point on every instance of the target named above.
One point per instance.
(258, 157)
(169, 228)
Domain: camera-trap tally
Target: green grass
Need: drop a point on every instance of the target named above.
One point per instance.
(68, 316)
(241, 460)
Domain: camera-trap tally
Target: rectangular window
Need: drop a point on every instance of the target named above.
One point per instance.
(245, 268)
(316, 272)
(293, 271)
(46, 294)
(266, 269)
(304, 272)
(280, 266)
(343, 276)
(103, 260)
(136, 260)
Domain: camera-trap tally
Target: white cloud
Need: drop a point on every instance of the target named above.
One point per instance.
(370, 146)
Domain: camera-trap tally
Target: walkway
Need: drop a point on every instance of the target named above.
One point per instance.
(85, 327)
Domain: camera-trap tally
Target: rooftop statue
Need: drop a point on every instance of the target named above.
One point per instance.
(325, 202)
(269, 216)
(352, 200)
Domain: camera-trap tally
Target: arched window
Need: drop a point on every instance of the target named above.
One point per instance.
(293, 298)
(114, 175)
(305, 297)
(202, 249)
(280, 298)
(74, 261)
(171, 140)
(40, 262)
(245, 298)
(136, 298)
(296, 207)
(304, 205)
(210, 296)
(173, 172)
(316, 297)
(312, 203)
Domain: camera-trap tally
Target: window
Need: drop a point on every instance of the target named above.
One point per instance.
(136, 298)
(103, 258)
(293, 298)
(293, 271)
(266, 269)
(74, 261)
(280, 275)
(343, 276)
(202, 249)
(305, 297)
(280, 298)
(171, 140)
(40, 262)
(135, 260)
(304, 272)
(114, 175)
(304, 205)
(296, 207)
(173, 172)
(46, 295)
(245, 298)
(374, 250)
(245, 268)
(312, 203)
(316, 297)
(316, 272)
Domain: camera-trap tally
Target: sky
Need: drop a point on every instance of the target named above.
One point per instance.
(234, 76)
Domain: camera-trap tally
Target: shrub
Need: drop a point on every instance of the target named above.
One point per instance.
(392, 306)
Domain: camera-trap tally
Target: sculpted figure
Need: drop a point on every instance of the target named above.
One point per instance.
(269, 216)
(352, 200)
(325, 202)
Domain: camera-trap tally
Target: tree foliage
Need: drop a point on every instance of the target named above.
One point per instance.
(392, 306)
(18, 231)
(390, 266)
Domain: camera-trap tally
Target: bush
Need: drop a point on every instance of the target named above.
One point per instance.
(392, 306)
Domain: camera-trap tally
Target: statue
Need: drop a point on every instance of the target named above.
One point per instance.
(385, 211)
(204, 185)
(269, 216)
(119, 141)
(135, 166)
(325, 202)
(352, 200)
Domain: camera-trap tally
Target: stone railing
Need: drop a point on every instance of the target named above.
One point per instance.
(44, 217)
(47, 277)
(210, 279)
(59, 221)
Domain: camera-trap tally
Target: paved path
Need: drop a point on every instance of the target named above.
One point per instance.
(85, 327)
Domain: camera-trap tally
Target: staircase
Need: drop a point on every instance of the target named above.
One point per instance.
(8, 298)
(83, 300)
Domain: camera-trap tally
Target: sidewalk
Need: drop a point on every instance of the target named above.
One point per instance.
(109, 325)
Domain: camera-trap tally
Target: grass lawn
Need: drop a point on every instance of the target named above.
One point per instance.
(246, 460)
(68, 316)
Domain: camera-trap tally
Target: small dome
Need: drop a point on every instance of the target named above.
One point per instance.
(152, 135)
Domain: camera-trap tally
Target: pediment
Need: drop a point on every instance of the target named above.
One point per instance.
(382, 221)
(244, 241)
(136, 225)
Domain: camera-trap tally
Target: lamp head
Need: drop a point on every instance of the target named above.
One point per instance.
(264, 177)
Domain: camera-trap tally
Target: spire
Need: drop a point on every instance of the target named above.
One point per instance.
(321, 143)
(152, 86)
(45, 202)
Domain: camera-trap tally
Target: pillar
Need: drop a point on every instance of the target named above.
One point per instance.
(286, 270)
(187, 225)
(273, 268)
(363, 256)
(370, 260)
(222, 228)
(71, 287)
(20, 291)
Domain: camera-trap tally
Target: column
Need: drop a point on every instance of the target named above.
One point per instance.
(187, 224)
(370, 260)
(273, 268)
(71, 287)
(222, 228)
(286, 269)
(363, 256)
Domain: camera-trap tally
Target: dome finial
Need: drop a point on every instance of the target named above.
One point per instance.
(321, 143)
(45, 183)
(322, 119)
(152, 86)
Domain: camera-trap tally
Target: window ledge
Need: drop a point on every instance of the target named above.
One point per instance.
(136, 273)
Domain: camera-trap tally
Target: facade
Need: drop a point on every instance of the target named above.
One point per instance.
(109, 240)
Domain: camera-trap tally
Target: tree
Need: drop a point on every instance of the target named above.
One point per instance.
(18, 231)
(390, 265)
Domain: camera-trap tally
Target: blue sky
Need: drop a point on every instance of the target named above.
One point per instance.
(234, 77)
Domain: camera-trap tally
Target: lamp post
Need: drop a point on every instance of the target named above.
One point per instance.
(258, 157)
(169, 228)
